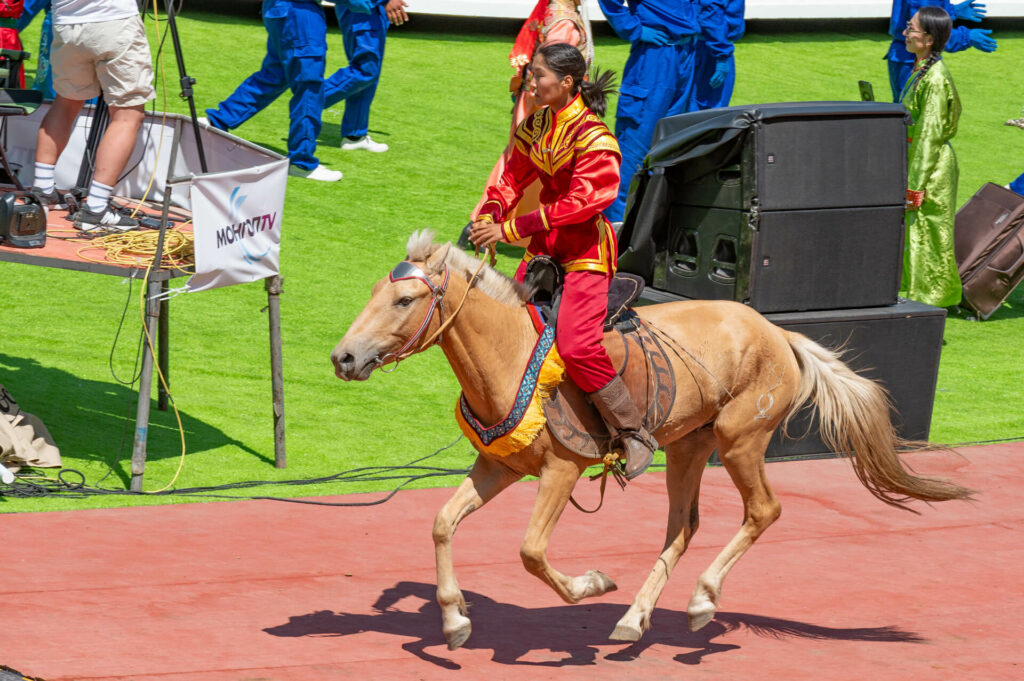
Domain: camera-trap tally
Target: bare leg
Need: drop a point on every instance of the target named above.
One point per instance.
(743, 457)
(55, 130)
(557, 479)
(482, 484)
(117, 143)
(685, 459)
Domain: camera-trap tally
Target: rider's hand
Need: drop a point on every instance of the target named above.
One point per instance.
(483, 233)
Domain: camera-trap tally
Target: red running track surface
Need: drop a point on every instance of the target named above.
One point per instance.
(841, 587)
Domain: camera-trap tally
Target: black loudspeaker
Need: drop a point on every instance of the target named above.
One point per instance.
(784, 260)
(787, 207)
(898, 345)
(800, 156)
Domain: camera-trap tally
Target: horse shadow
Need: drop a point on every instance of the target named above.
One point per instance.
(578, 632)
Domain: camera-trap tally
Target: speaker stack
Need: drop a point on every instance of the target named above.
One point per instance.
(800, 215)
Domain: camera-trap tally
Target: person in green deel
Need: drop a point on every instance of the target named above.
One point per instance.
(929, 260)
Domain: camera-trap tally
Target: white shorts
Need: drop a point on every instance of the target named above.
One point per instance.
(108, 56)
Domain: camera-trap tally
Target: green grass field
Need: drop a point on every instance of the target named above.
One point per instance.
(443, 107)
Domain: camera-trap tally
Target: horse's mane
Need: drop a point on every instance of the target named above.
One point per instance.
(492, 282)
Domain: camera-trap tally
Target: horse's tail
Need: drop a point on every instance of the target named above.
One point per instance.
(854, 413)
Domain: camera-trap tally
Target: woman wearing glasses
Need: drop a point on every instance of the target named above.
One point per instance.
(929, 262)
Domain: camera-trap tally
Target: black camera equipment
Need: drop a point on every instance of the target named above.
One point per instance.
(22, 221)
(186, 80)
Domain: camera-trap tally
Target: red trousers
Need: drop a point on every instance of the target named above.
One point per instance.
(580, 328)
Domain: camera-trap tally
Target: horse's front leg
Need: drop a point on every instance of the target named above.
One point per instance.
(482, 484)
(557, 479)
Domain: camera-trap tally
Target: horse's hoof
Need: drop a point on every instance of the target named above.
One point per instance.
(602, 582)
(626, 632)
(593, 583)
(457, 635)
(700, 615)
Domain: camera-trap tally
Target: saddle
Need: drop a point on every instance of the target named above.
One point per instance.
(636, 353)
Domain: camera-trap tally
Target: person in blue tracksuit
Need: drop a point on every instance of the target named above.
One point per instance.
(364, 24)
(901, 62)
(44, 77)
(657, 80)
(714, 71)
(296, 55)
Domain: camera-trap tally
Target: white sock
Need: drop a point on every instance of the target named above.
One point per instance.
(99, 197)
(44, 176)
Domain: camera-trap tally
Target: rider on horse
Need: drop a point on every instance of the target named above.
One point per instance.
(576, 158)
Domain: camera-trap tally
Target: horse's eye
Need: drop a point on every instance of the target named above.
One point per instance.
(404, 302)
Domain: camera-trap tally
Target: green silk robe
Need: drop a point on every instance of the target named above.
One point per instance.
(929, 260)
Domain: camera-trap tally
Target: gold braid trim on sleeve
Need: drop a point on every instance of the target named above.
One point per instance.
(599, 140)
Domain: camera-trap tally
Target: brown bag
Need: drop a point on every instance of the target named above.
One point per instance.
(24, 439)
(989, 238)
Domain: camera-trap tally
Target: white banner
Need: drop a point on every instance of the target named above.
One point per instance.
(236, 217)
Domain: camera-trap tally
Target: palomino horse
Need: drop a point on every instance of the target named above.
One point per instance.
(740, 377)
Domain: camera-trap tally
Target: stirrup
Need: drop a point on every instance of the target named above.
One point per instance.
(643, 446)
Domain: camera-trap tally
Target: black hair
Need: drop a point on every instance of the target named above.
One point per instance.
(936, 23)
(565, 60)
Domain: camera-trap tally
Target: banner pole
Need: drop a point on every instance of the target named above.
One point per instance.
(155, 310)
(273, 284)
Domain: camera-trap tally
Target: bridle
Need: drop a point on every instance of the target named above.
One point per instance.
(404, 271)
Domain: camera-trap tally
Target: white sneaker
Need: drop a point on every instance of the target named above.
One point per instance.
(363, 142)
(320, 173)
(203, 120)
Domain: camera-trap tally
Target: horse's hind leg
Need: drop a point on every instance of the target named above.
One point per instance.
(742, 443)
(482, 484)
(556, 481)
(685, 460)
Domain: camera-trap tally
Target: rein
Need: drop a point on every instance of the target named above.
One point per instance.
(610, 466)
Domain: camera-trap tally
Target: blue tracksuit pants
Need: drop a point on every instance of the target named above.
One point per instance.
(296, 54)
(657, 81)
(364, 36)
(705, 96)
(1018, 184)
(899, 73)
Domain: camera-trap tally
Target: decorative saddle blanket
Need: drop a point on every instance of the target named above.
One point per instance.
(525, 419)
(544, 398)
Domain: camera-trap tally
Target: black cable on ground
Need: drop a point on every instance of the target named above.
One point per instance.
(70, 483)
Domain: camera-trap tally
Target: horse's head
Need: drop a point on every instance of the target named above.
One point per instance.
(401, 311)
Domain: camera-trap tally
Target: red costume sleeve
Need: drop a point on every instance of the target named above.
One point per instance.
(594, 185)
(504, 194)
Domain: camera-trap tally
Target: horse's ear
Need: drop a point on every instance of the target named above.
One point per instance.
(438, 257)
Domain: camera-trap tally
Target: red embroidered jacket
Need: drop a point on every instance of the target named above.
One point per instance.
(576, 158)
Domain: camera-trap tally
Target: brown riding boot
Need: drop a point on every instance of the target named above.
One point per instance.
(623, 419)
